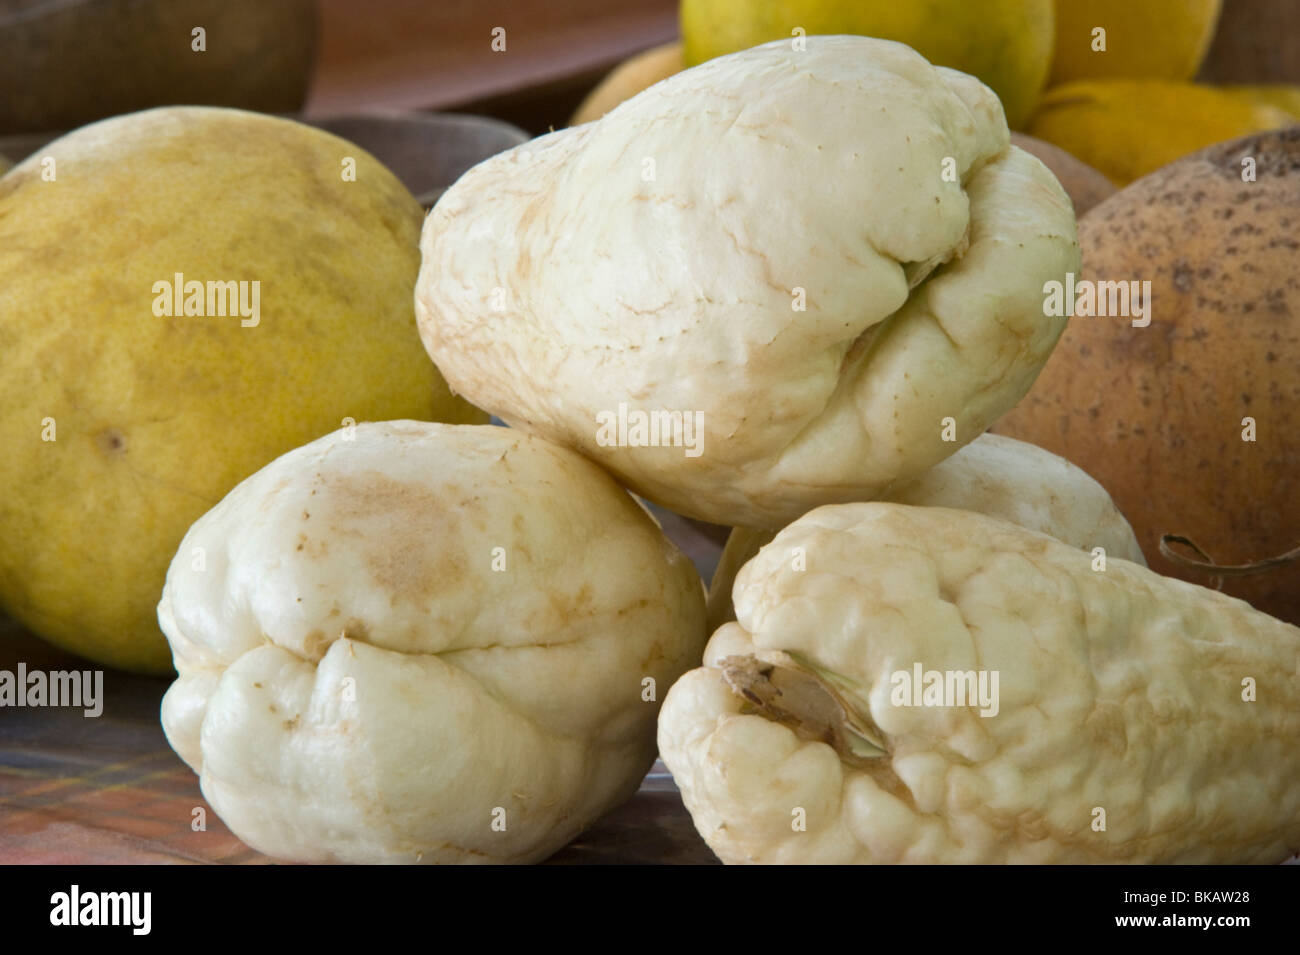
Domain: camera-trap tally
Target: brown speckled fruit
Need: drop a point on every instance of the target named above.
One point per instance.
(1156, 413)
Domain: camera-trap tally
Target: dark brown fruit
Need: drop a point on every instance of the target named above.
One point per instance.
(1256, 41)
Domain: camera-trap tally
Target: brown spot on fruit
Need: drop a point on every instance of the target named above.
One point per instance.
(111, 441)
(407, 532)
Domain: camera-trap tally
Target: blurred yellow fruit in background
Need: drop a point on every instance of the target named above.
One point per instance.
(1128, 128)
(1156, 39)
(1006, 43)
(629, 78)
(1283, 97)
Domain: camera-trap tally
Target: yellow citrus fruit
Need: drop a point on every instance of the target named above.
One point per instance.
(1006, 43)
(1280, 95)
(1155, 39)
(123, 423)
(1128, 128)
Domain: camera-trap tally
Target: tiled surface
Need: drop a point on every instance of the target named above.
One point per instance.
(109, 790)
(100, 790)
